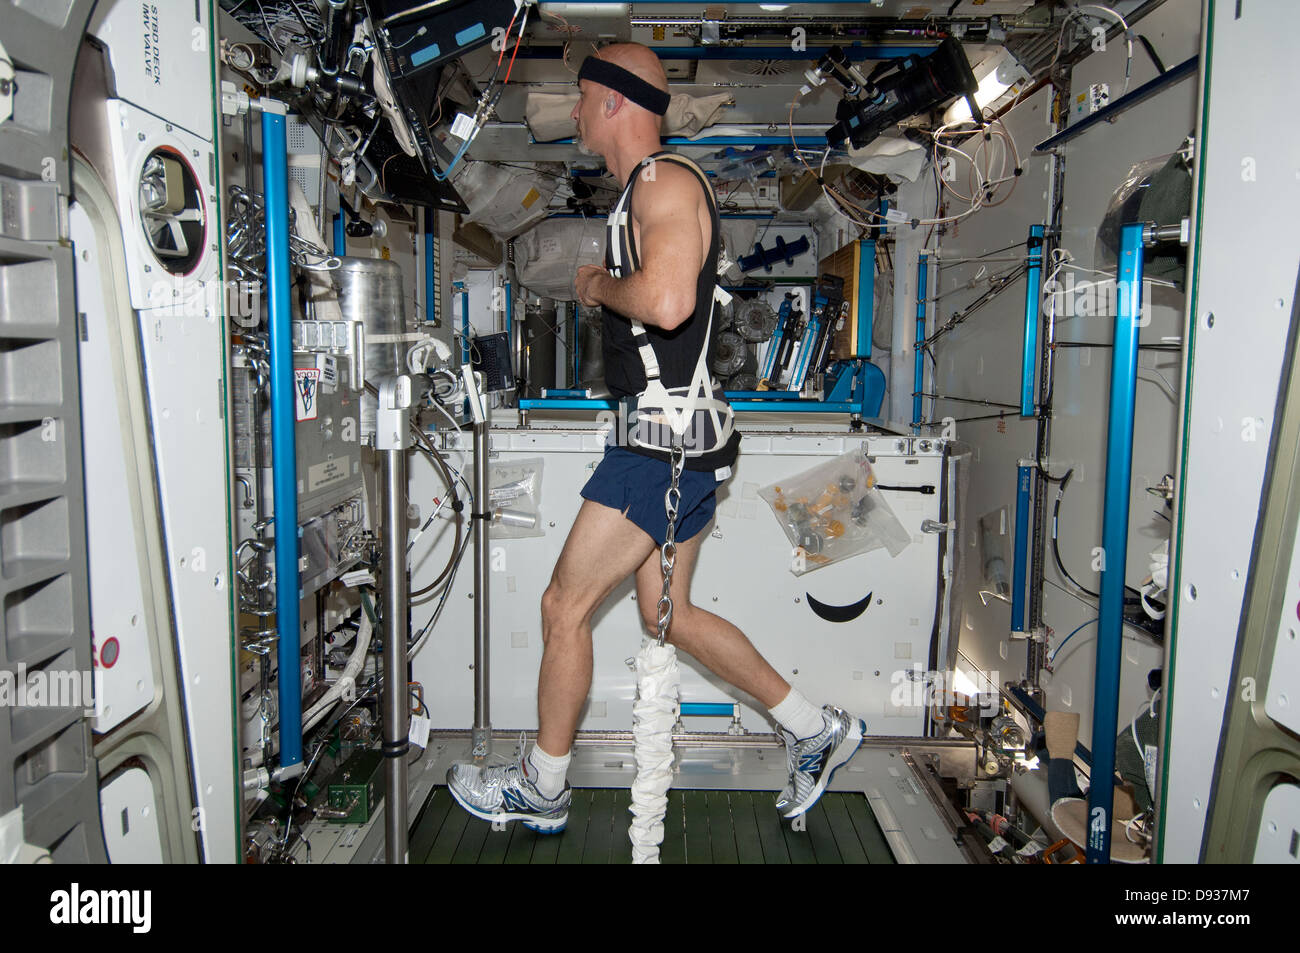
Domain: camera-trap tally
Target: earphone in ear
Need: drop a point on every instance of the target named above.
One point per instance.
(611, 103)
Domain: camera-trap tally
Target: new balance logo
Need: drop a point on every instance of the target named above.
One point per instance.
(811, 762)
(513, 801)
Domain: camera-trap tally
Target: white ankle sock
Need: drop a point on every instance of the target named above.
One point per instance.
(548, 771)
(798, 715)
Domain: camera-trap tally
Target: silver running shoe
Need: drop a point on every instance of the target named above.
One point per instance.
(813, 760)
(504, 792)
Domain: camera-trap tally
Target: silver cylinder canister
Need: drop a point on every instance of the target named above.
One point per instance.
(370, 293)
(539, 345)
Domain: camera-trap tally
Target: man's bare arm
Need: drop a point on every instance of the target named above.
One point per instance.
(662, 291)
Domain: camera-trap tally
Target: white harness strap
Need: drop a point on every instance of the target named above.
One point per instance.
(620, 250)
(675, 406)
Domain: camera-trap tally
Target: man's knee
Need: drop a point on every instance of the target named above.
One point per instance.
(561, 610)
(649, 619)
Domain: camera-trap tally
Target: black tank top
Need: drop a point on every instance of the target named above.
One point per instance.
(677, 350)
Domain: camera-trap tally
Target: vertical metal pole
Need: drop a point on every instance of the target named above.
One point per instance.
(1114, 541)
(1033, 291)
(918, 383)
(284, 462)
(866, 297)
(481, 738)
(1024, 480)
(396, 623)
(577, 345)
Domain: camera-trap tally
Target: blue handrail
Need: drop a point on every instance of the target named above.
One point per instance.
(284, 459)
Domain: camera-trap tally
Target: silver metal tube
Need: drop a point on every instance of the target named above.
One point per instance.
(708, 739)
(396, 622)
(482, 733)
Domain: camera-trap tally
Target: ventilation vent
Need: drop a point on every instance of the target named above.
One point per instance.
(296, 135)
(763, 67)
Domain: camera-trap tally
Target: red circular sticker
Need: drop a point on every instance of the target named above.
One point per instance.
(108, 654)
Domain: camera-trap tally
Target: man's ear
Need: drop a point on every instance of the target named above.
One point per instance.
(612, 102)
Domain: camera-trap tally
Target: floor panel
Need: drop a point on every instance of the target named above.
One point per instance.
(700, 827)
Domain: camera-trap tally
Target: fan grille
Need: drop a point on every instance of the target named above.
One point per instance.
(763, 67)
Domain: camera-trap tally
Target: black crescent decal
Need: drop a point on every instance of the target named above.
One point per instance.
(839, 613)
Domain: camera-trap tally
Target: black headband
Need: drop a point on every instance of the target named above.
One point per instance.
(622, 81)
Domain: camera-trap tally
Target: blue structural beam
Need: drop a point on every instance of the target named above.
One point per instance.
(284, 458)
(722, 709)
(566, 403)
(1024, 481)
(761, 394)
(430, 269)
(799, 406)
(1130, 99)
(1033, 296)
(866, 296)
(855, 52)
(340, 236)
(918, 369)
(460, 289)
(1114, 540)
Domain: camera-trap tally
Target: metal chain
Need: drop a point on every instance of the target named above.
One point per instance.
(668, 552)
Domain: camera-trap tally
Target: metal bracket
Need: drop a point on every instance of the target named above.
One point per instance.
(392, 416)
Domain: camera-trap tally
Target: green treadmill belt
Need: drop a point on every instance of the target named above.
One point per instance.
(700, 827)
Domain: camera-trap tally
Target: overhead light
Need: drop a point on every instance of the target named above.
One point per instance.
(995, 76)
(774, 7)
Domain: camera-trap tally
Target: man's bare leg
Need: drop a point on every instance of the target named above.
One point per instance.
(602, 550)
(710, 639)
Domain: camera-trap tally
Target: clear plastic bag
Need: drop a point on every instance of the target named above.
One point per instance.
(515, 498)
(833, 511)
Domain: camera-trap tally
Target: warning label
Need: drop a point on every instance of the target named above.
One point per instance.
(327, 473)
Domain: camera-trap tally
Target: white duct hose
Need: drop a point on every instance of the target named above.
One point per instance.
(345, 686)
(658, 680)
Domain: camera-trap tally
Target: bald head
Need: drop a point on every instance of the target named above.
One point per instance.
(641, 62)
(610, 123)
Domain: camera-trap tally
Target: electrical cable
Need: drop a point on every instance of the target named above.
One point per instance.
(437, 612)
(457, 507)
(1057, 651)
(1078, 11)
(1056, 549)
(518, 43)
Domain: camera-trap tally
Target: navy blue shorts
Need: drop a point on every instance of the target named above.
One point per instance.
(635, 484)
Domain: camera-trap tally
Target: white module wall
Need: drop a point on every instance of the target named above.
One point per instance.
(981, 359)
(743, 574)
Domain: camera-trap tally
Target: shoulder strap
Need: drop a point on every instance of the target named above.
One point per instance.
(620, 216)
